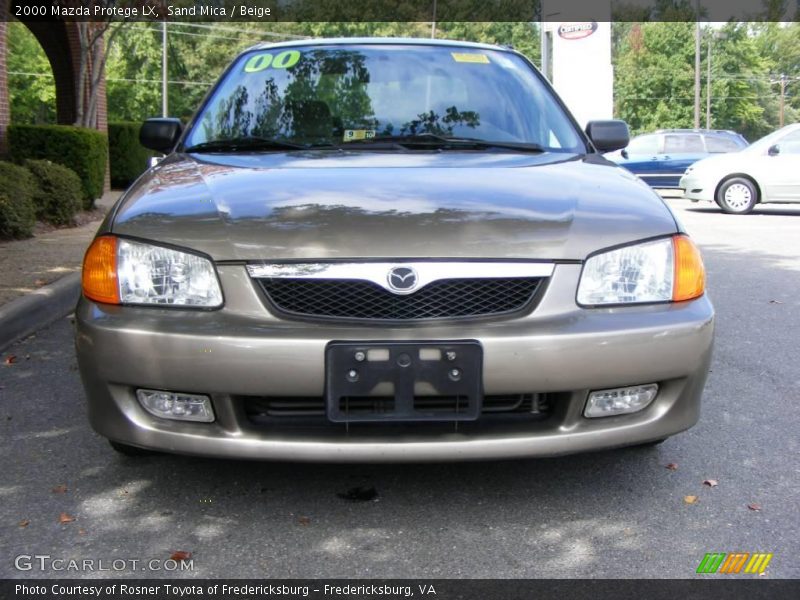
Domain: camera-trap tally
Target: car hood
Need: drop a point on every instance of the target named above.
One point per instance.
(334, 205)
(722, 161)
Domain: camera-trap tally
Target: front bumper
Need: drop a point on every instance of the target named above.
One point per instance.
(698, 188)
(245, 351)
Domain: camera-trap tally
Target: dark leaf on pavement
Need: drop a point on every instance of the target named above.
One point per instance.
(60, 489)
(24, 523)
(178, 555)
(672, 466)
(65, 518)
(711, 482)
(754, 506)
(10, 359)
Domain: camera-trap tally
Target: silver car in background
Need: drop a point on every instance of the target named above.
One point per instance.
(389, 250)
(766, 171)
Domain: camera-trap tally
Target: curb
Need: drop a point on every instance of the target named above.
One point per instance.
(27, 314)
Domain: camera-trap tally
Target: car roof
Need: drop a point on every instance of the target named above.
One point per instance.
(705, 131)
(378, 41)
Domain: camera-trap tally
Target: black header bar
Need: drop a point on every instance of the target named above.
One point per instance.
(403, 10)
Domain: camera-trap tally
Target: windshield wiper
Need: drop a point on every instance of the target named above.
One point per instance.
(433, 140)
(247, 144)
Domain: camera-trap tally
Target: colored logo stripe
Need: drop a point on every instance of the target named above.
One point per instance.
(758, 563)
(711, 562)
(734, 562)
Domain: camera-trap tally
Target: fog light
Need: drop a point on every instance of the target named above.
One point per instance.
(620, 401)
(175, 405)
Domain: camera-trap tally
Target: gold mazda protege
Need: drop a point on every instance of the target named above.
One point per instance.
(389, 250)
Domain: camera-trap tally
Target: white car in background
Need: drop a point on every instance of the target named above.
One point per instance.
(766, 171)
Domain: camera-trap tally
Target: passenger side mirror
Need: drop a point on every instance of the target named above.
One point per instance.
(624, 153)
(608, 135)
(774, 150)
(160, 135)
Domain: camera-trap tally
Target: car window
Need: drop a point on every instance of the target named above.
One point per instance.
(318, 95)
(791, 143)
(683, 143)
(721, 144)
(643, 144)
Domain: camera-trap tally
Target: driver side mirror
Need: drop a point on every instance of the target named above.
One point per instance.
(160, 135)
(608, 135)
(774, 150)
(624, 153)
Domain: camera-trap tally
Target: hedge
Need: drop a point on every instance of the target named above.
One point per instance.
(85, 151)
(17, 215)
(127, 157)
(58, 196)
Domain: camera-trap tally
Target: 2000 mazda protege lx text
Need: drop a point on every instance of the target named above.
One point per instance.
(378, 250)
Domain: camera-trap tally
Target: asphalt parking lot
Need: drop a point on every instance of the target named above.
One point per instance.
(612, 514)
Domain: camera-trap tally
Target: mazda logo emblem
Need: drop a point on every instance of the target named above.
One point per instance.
(402, 279)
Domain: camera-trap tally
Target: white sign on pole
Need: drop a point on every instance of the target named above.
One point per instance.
(582, 72)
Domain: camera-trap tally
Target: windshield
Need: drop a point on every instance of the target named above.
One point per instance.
(342, 94)
(761, 146)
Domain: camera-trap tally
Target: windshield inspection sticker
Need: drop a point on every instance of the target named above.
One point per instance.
(353, 135)
(470, 57)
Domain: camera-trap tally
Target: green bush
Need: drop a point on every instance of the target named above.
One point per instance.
(85, 151)
(58, 196)
(127, 157)
(17, 215)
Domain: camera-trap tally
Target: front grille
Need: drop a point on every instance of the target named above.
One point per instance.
(279, 409)
(359, 299)
(305, 418)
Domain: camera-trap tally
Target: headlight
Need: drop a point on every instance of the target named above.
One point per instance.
(665, 270)
(120, 271)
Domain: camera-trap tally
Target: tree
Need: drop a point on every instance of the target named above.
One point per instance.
(133, 73)
(740, 96)
(95, 39)
(654, 79)
(654, 76)
(779, 43)
(32, 91)
(91, 62)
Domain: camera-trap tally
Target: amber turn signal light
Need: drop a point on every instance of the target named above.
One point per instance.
(99, 280)
(690, 274)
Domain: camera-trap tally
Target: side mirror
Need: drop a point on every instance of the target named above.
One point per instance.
(608, 136)
(774, 150)
(154, 160)
(160, 135)
(624, 153)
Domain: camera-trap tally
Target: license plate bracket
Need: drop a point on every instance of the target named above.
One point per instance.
(426, 381)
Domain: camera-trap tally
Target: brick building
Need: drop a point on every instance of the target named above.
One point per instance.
(61, 44)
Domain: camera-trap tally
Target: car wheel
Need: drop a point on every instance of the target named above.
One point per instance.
(737, 195)
(131, 451)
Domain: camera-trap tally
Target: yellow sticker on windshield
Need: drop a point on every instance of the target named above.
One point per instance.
(470, 57)
(353, 135)
(264, 60)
